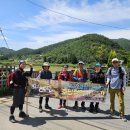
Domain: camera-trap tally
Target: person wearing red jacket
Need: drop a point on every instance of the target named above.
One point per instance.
(64, 75)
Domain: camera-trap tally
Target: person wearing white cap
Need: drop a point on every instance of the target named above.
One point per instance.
(44, 74)
(80, 75)
(116, 79)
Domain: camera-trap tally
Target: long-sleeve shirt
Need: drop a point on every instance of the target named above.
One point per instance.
(98, 77)
(64, 75)
(20, 77)
(113, 76)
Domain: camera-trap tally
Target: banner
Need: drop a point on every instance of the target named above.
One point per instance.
(68, 90)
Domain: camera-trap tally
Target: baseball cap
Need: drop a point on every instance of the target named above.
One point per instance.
(81, 62)
(98, 65)
(22, 62)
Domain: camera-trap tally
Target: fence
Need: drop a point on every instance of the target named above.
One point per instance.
(128, 78)
(4, 72)
(6, 69)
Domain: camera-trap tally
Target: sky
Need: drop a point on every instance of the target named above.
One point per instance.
(33, 25)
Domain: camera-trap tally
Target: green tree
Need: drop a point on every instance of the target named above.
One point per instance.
(128, 62)
(112, 55)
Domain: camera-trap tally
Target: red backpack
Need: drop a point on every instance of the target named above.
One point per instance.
(10, 80)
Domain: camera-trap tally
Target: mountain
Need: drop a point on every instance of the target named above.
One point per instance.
(124, 43)
(5, 51)
(24, 51)
(90, 48)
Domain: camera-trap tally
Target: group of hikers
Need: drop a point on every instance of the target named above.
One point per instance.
(115, 79)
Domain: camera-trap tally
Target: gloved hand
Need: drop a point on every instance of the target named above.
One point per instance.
(75, 78)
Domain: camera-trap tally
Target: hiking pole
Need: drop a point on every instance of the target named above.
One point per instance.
(27, 94)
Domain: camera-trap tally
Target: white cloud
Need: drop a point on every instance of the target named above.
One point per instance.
(47, 40)
(116, 34)
(41, 41)
(101, 12)
(56, 37)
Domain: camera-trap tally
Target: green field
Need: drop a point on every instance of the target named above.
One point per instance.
(53, 68)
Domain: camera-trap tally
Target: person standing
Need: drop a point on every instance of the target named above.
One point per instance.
(19, 81)
(44, 74)
(64, 75)
(116, 79)
(80, 75)
(99, 78)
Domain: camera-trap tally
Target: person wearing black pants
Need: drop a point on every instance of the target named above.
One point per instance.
(46, 103)
(80, 75)
(99, 78)
(64, 75)
(18, 84)
(44, 74)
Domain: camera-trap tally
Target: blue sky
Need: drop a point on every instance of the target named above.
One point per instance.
(27, 25)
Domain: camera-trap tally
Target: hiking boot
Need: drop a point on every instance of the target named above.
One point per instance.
(75, 105)
(96, 107)
(40, 109)
(83, 106)
(47, 107)
(112, 114)
(91, 107)
(22, 114)
(12, 119)
(123, 118)
(60, 106)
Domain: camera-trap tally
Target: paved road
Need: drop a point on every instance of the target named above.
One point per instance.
(64, 119)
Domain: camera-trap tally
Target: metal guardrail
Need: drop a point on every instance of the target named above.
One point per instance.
(3, 80)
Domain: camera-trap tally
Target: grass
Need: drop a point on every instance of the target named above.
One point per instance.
(52, 68)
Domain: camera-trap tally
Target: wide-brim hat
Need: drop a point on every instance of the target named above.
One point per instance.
(46, 64)
(115, 59)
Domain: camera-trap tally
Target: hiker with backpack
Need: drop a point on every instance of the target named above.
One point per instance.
(99, 78)
(80, 75)
(64, 75)
(18, 83)
(116, 79)
(44, 74)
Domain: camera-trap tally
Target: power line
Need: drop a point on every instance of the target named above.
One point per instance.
(83, 20)
(4, 38)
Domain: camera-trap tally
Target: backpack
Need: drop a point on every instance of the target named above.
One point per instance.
(121, 73)
(10, 80)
